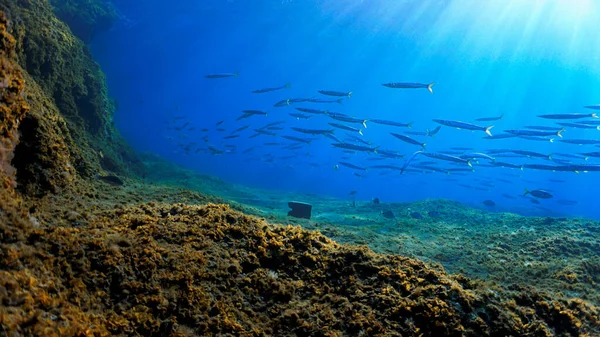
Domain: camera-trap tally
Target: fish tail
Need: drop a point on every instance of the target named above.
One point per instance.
(552, 139)
(430, 87)
(340, 101)
(550, 156)
(598, 127)
(360, 132)
(427, 133)
(586, 158)
(594, 115)
(236, 74)
(364, 123)
(423, 145)
(521, 167)
(487, 130)
(287, 101)
(349, 94)
(469, 163)
(409, 125)
(375, 149)
(288, 85)
(526, 191)
(558, 133)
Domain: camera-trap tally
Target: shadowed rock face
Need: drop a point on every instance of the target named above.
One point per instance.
(86, 18)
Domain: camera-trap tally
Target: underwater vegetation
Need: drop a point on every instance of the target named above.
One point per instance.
(90, 248)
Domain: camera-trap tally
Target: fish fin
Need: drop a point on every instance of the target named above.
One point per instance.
(288, 85)
(558, 133)
(526, 191)
(430, 87)
(364, 123)
(360, 132)
(487, 130)
(349, 94)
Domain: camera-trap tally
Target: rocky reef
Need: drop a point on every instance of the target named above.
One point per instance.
(83, 257)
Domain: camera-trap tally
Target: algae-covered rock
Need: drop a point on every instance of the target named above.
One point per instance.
(68, 130)
(12, 104)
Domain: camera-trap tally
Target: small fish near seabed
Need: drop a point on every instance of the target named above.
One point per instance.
(489, 203)
(388, 214)
(110, 179)
(540, 194)
(410, 85)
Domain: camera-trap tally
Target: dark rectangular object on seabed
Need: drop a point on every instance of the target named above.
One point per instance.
(300, 209)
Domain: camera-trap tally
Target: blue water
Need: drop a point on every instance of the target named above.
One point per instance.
(511, 57)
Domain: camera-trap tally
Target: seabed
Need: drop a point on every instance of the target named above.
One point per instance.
(164, 251)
